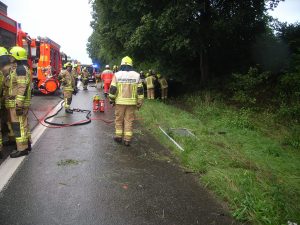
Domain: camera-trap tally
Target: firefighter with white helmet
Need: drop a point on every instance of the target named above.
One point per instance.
(127, 94)
(106, 77)
(17, 95)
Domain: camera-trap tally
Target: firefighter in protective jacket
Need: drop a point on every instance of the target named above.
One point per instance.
(85, 78)
(107, 76)
(5, 62)
(126, 92)
(17, 94)
(150, 83)
(75, 74)
(163, 86)
(68, 82)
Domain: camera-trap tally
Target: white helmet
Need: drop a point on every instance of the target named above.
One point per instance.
(107, 67)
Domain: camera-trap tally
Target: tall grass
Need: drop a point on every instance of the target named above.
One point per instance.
(245, 157)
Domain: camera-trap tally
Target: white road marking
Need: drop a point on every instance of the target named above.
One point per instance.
(10, 166)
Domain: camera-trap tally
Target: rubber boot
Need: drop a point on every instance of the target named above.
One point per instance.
(69, 111)
(118, 139)
(127, 143)
(16, 153)
(29, 146)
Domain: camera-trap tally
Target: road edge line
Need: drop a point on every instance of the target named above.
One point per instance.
(9, 167)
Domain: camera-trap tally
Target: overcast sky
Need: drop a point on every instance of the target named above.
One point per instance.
(67, 22)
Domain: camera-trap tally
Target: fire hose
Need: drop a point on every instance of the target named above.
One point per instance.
(46, 123)
(82, 122)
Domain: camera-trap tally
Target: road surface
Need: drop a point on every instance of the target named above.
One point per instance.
(79, 176)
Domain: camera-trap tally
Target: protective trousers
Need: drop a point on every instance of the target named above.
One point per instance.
(19, 128)
(125, 115)
(106, 87)
(151, 93)
(1, 146)
(164, 93)
(85, 83)
(67, 99)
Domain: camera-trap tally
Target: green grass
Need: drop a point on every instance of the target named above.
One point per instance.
(246, 158)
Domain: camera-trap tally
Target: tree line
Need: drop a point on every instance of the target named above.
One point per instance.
(202, 44)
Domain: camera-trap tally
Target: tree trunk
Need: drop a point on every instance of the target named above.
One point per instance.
(203, 67)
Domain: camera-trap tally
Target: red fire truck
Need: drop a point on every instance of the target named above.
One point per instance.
(44, 57)
(48, 65)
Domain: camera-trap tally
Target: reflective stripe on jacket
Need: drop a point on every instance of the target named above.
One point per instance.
(17, 87)
(126, 88)
(150, 82)
(107, 76)
(163, 83)
(67, 80)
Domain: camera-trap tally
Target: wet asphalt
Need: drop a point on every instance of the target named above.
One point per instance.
(78, 175)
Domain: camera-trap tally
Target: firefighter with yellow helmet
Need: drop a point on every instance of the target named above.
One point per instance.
(5, 65)
(163, 86)
(75, 74)
(127, 94)
(85, 78)
(68, 82)
(150, 83)
(17, 97)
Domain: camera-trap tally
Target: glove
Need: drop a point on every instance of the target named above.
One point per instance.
(113, 103)
(75, 91)
(139, 105)
(19, 111)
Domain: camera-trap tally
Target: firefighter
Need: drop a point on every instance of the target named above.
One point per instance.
(127, 94)
(163, 87)
(115, 68)
(5, 62)
(150, 83)
(17, 94)
(75, 74)
(85, 78)
(106, 77)
(68, 83)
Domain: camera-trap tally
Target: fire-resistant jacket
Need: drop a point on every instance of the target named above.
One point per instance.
(150, 82)
(163, 83)
(107, 76)
(17, 87)
(67, 80)
(85, 75)
(126, 88)
(75, 73)
(1, 88)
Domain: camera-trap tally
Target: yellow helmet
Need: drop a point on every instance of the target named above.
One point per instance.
(18, 53)
(3, 51)
(68, 64)
(158, 75)
(126, 61)
(75, 65)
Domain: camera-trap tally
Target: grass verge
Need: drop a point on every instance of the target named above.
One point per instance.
(246, 158)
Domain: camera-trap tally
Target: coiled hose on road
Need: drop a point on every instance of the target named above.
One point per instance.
(46, 123)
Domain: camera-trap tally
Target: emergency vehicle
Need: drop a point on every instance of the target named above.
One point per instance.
(44, 57)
